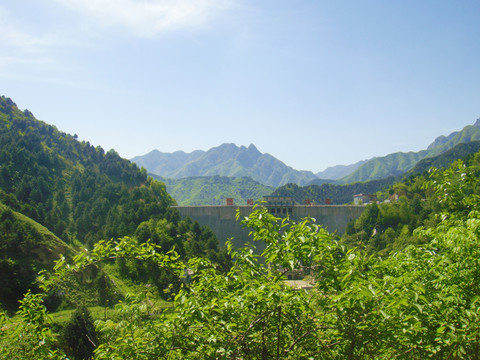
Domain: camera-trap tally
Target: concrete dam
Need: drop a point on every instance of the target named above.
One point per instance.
(221, 219)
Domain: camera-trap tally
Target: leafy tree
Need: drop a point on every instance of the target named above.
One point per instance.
(31, 337)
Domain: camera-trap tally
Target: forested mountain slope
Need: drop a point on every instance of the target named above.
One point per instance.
(76, 190)
(213, 190)
(398, 163)
(342, 194)
(460, 151)
(336, 194)
(467, 134)
(382, 167)
(83, 195)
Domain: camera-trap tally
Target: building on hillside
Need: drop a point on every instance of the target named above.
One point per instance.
(364, 199)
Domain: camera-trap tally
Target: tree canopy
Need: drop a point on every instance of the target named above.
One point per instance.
(81, 194)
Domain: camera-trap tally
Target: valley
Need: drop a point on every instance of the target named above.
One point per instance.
(239, 180)
(139, 266)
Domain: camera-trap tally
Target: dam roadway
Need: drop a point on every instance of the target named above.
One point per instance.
(221, 218)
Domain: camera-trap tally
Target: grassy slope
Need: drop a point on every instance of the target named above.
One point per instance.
(48, 246)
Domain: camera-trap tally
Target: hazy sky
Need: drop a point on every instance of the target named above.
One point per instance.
(314, 83)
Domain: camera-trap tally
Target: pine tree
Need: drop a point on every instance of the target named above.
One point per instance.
(79, 337)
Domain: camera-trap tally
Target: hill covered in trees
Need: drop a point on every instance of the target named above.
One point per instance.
(399, 163)
(78, 191)
(81, 194)
(343, 194)
(331, 193)
(213, 190)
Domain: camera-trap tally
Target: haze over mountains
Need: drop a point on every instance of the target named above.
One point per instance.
(240, 161)
(339, 171)
(225, 160)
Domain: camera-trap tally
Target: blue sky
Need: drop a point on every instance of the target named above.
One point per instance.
(314, 83)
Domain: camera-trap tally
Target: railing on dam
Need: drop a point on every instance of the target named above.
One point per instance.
(222, 219)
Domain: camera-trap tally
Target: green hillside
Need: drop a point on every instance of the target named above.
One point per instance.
(467, 134)
(382, 167)
(343, 194)
(398, 163)
(78, 191)
(336, 194)
(26, 247)
(213, 190)
(460, 151)
(82, 194)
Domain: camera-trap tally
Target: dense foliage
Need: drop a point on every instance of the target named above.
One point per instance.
(82, 194)
(77, 191)
(420, 302)
(337, 194)
(79, 338)
(388, 227)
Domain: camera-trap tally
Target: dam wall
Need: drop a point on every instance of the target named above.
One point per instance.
(221, 219)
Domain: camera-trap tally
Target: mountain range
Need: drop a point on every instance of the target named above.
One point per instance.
(343, 193)
(224, 160)
(400, 162)
(239, 161)
(339, 171)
